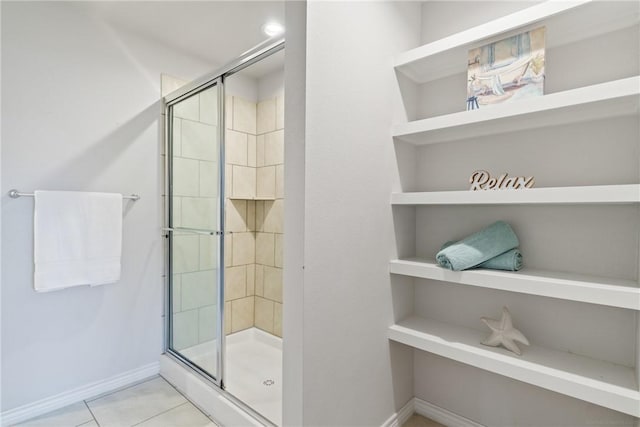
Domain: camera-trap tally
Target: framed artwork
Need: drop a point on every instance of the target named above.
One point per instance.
(506, 70)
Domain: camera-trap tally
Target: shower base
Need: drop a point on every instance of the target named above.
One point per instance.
(253, 371)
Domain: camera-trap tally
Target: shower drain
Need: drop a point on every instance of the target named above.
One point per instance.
(268, 382)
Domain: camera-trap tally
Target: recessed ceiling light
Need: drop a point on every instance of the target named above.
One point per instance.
(272, 29)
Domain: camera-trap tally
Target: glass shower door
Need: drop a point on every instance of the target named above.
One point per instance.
(195, 225)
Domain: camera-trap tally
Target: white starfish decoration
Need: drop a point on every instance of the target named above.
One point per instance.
(503, 333)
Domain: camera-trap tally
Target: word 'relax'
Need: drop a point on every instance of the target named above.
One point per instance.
(482, 180)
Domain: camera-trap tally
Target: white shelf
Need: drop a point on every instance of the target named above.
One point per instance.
(611, 99)
(600, 194)
(602, 383)
(573, 287)
(566, 22)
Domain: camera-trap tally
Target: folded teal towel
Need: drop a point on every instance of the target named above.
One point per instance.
(510, 260)
(471, 251)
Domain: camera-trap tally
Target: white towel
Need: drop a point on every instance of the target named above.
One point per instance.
(77, 239)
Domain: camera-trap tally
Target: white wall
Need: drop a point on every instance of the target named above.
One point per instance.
(294, 213)
(81, 112)
(271, 85)
(243, 86)
(352, 374)
(441, 18)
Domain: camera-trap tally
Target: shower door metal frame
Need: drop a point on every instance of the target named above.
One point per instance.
(259, 52)
(219, 232)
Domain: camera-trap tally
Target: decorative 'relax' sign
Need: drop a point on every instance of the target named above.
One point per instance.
(482, 180)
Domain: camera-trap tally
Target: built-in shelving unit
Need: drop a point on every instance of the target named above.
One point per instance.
(565, 22)
(602, 383)
(599, 194)
(605, 100)
(573, 287)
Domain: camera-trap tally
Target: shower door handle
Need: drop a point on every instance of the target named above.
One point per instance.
(195, 230)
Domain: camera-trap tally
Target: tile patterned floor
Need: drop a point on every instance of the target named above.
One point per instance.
(151, 403)
(420, 421)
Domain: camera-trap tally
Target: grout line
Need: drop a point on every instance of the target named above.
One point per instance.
(122, 388)
(163, 412)
(209, 416)
(92, 414)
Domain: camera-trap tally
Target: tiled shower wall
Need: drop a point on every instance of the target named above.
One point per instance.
(194, 206)
(254, 189)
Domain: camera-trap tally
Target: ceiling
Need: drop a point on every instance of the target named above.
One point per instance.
(215, 32)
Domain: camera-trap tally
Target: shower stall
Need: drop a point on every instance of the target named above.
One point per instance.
(224, 204)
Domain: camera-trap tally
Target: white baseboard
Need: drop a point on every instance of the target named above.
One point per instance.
(402, 416)
(441, 415)
(75, 395)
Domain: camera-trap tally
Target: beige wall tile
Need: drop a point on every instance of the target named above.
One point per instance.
(279, 250)
(209, 106)
(236, 148)
(277, 319)
(185, 253)
(266, 119)
(185, 329)
(228, 250)
(251, 279)
(177, 136)
(176, 293)
(243, 248)
(199, 213)
(208, 252)
(199, 289)
(236, 219)
(186, 178)
(208, 323)
(235, 283)
(244, 115)
(199, 141)
(188, 109)
(259, 280)
(227, 318)
(259, 215)
(251, 215)
(242, 313)
(228, 180)
(260, 150)
(273, 216)
(274, 148)
(280, 111)
(208, 179)
(264, 314)
(176, 221)
(266, 182)
(228, 112)
(244, 182)
(265, 248)
(273, 283)
(280, 182)
(251, 150)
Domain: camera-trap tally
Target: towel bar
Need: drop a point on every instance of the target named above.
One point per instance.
(14, 194)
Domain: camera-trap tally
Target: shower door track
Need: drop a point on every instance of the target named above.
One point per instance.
(217, 77)
(250, 57)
